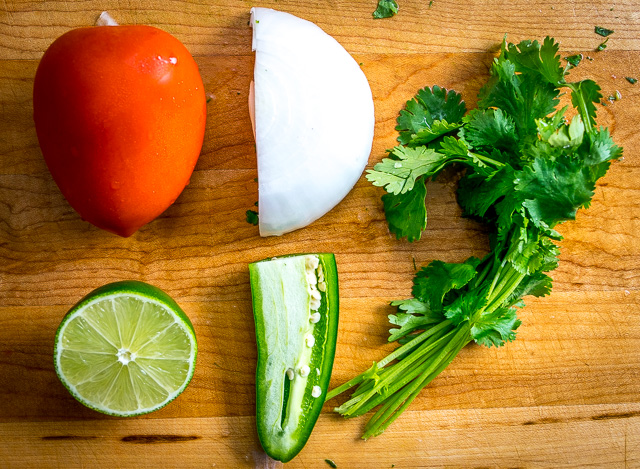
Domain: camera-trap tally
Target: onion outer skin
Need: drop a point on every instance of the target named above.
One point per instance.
(314, 120)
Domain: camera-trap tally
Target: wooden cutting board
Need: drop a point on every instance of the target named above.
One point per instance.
(566, 393)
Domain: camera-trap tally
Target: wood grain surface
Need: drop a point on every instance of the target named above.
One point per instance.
(566, 393)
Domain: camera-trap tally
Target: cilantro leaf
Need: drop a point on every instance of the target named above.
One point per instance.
(537, 284)
(454, 148)
(522, 250)
(522, 97)
(604, 32)
(584, 96)
(574, 60)
(428, 106)
(413, 314)
(464, 307)
(554, 190)
(435, 131)
(602, 149)
(398, 175)
(568, 136)
(386, 9)
(496, 328)
(252, 217)
(433, 282)
(490, 128)
(477, 193)
(602, 46)
(407, 213)
(541, 62)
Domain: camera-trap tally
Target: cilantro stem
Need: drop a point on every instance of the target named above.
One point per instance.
(362, 403)
(393, 408)
(581, 104)
(486, 159)
(507, 287)
(495, 279)
(389, 358)
(480, 278)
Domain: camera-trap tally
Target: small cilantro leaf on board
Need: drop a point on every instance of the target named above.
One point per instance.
(386, 9)
(252, 217)
(525, 168)
(604, 32)
(602, 46)
(574, 60)
(428, 106)
(631, 80)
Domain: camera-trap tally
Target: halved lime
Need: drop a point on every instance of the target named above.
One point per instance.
(125, 349)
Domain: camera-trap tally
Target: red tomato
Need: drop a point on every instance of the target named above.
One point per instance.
(120, 115)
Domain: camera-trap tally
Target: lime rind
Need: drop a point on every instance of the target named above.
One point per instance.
(155, 376)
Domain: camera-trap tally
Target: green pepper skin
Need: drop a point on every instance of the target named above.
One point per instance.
(286, 411)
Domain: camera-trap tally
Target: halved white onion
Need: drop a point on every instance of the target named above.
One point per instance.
(313, 122)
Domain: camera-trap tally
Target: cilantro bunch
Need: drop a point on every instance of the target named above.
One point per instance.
(528, 166)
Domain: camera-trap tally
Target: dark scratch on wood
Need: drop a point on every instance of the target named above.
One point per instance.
(156, 439)
(609, 416)
(542, 421)
(619, 415)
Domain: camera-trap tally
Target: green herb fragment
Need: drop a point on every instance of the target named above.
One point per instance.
(631, 80)
(615, 97)
(386, 9)
(252, 217)
(602, 46)
(604, 32)
(331, 463)
(527, 168)
(574, 60)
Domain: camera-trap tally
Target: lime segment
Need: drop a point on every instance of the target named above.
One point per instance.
(125, 349)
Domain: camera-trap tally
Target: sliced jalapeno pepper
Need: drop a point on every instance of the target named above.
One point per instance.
(295, 308)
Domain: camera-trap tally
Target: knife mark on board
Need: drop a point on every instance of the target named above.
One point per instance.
(608, 416)
(156, 439)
